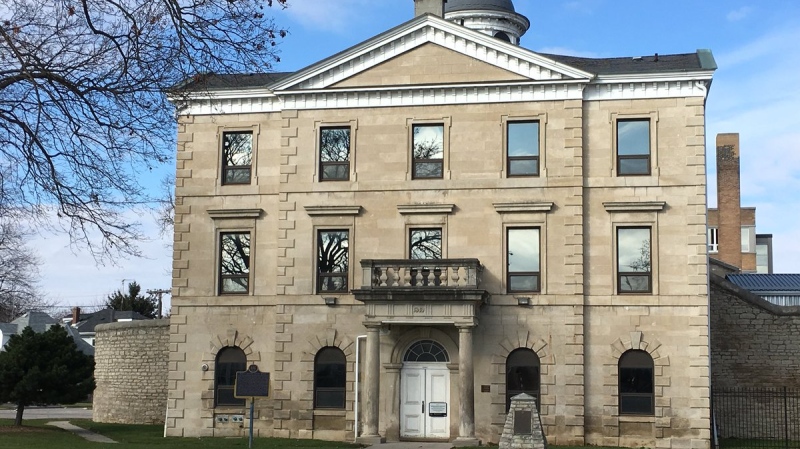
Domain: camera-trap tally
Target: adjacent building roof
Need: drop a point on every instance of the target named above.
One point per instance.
(38, 321)
(88, 321)
(762, 282)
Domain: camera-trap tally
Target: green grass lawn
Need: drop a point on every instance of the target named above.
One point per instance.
(36, 435)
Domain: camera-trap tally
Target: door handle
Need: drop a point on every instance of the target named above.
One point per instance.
(423, 407)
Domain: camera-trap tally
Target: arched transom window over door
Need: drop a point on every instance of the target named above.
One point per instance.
(522, 375)
(426, 351)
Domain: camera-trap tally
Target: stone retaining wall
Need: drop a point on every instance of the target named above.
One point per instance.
(754, 343)
(131, 372)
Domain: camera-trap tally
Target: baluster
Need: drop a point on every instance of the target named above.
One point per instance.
(443, 277)
(395, 276)
(431, 278)
(383, 276)
(406, 276)
(454, 276)
(418, 277)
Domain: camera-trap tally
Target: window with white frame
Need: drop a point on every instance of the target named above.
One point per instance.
(748, 239)
(713, 240)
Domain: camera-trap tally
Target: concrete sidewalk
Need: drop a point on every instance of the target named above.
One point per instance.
(83, 433)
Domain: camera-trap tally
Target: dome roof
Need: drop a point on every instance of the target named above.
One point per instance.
(492, 5)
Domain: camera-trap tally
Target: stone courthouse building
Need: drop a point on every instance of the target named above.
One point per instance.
(406, 234)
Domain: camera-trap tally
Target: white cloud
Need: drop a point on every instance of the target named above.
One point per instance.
(755, 94)
(71, 277)
(739, 14)
(337, 16)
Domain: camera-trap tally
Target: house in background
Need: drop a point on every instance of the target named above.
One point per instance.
(410, 232)
(39, 322)
(778, 289)
(732, 237)
(85, 324)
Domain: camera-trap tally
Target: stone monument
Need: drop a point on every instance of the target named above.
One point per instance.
(523, 428)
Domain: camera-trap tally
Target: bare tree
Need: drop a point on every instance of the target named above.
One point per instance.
(19, 274)
(83, 110)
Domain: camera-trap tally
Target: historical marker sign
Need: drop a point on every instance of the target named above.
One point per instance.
(437, 409)
(251, 384)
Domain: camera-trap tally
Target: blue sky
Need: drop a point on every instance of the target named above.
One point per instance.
(755, 92)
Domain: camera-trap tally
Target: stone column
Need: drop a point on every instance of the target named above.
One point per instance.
(466, 377)
(372, 375)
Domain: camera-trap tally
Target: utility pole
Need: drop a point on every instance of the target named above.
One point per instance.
(159, 292)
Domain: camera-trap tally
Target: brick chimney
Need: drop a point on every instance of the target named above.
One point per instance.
(76, 315)
(729, 227)
(435, 7)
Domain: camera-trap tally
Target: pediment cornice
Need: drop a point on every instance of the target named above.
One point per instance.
(420, 31)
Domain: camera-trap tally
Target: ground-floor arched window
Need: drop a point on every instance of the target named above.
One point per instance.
(522, 375)
(330, 378)
(230, 360)
(636, 392)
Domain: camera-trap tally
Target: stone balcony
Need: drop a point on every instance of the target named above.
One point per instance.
(418, 291)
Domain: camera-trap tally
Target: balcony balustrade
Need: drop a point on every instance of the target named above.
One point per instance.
(420, 274)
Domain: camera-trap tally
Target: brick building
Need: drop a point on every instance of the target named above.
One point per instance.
(732, 237)
(413, 230)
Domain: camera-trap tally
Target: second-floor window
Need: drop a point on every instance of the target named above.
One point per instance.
(425, 243)
(428, 151)
(633, 147)
(523, 260)
(522, 148)
(234, 263)
(237, 157)
(633, 260)
(334, 154)
(333, 260)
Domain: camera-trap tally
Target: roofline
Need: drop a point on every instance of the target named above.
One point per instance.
(418, 23)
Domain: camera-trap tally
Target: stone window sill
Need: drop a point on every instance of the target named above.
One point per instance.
(323, 412)
(637, 418)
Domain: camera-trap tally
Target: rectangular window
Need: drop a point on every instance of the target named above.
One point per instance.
(762, 258)
(748, 239)
(333, 261)
(234, 263)
(237, 157)
(425, 244)
(334, 154)
(428, 151)
(633, 147)
(713, 240)
(633, 260)
(523, 260)
(522, 148)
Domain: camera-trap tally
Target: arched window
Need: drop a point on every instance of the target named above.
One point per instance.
(636, 394)
(330, 378)
(522, 375)
(426, 351)
(502, 36)
(230, 360)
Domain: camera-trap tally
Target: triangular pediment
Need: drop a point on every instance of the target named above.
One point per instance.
(429, 64)
(408, 48)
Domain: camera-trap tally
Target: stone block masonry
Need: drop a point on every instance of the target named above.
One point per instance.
(131, 361)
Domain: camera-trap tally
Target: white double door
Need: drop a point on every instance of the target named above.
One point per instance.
(425, 400)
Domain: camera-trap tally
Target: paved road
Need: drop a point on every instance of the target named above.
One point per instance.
(48, 413)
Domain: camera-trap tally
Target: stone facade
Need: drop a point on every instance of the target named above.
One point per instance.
(131, 368)
(577, 323)
(754, 343)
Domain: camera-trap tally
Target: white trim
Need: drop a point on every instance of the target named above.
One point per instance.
(421, 30)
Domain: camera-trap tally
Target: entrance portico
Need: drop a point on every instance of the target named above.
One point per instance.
(398, 295)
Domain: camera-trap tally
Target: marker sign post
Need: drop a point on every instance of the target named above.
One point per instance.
(251, 384)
